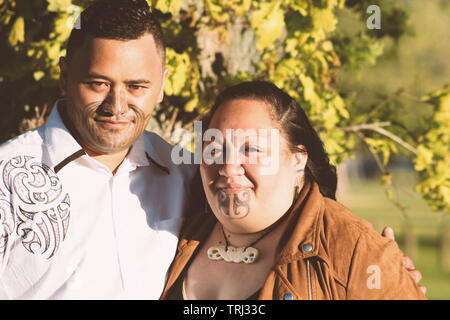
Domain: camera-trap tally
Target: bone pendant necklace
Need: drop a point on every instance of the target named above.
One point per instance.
(229, 253)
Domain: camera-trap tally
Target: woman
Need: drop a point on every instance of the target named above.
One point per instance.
(277, 233)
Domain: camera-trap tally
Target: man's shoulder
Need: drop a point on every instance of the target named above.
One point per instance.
(29, 143)
(173, 156)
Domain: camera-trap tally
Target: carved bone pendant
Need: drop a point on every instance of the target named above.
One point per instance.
(233, 254)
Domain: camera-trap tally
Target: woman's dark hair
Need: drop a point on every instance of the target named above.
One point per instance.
(293, 123)
(118, 20)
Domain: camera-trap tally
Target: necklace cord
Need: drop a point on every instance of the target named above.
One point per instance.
(268, 230)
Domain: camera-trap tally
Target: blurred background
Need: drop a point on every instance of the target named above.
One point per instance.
(375, 84)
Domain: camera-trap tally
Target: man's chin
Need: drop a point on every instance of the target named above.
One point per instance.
(101, 147)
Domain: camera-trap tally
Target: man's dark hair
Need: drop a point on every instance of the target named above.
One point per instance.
(118, 20)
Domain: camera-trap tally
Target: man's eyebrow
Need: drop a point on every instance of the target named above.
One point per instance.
(130, 81)
(96, 76)
(137, 81)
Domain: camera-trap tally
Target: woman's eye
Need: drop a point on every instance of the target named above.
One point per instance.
(252, 149)
(215, 151)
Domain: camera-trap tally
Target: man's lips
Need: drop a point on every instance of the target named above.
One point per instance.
(112, 123)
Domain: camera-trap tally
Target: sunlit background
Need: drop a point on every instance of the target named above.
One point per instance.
(323, 54)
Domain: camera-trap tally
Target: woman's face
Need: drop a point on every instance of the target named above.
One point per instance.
(254, 185)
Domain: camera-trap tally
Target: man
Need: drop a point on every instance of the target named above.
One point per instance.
(90, 204)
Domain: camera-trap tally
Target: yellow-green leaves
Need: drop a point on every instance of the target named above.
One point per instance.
(17, 33)
(268, 21)
(58, 5)
(240, 7)
(38, 75)
(178, 65)
(324, 20)
(424, 158)
(170, 6)
(433, 154)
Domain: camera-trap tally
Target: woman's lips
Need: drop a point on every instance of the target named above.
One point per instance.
(233, 188)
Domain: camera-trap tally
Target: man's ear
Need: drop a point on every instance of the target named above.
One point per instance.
(161, 92)
(63, 69)
(299, 158)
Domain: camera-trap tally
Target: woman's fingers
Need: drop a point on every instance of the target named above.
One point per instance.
(408, 263)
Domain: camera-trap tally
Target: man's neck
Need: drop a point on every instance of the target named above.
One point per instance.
(111, 160)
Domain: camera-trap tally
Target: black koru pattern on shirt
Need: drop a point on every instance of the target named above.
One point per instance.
(32, 204)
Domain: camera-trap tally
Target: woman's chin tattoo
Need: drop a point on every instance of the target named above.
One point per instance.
(236, 205)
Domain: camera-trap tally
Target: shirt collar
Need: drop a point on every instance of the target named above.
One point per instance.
(153, 154)
(62, 146)
(143, 153)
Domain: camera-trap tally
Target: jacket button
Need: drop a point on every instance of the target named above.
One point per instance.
(288, 296)
(307, 247)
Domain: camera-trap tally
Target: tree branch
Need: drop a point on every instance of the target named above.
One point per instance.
(377, 127)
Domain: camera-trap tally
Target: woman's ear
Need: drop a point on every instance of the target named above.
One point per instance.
(299, 158)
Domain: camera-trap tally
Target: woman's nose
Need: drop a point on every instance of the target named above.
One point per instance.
(231, 170)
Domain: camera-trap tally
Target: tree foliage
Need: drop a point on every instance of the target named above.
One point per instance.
(215, 43)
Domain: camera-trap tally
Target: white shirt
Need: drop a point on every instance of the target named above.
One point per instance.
(70, 229)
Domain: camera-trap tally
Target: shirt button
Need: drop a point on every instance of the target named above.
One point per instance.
(288, 296)
(307, 247)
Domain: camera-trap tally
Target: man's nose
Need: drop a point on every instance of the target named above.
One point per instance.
(116, 101)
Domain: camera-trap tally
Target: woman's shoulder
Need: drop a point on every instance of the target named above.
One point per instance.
(340, 221)
(345, 236)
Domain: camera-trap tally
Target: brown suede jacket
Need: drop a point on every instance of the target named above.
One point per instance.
(325, 253)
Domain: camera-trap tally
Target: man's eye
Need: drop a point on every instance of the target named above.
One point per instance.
(97, 84)
(136, 87)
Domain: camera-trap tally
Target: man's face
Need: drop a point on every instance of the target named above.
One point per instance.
(112, 88)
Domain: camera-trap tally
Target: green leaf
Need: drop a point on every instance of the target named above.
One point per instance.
(424, 158)
(17, 33)
(191, 104)
(58, 5)
(178, 65)
(38, 75)
(268, 21)
(171, 6)
(324, 20)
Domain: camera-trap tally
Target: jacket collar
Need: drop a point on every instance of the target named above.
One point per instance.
(62, 147)
(301, 240)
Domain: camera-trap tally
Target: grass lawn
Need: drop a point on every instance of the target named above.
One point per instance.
(367, 199)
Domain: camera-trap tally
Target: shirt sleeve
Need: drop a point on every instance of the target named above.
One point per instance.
(377, 273)
(7, 226)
